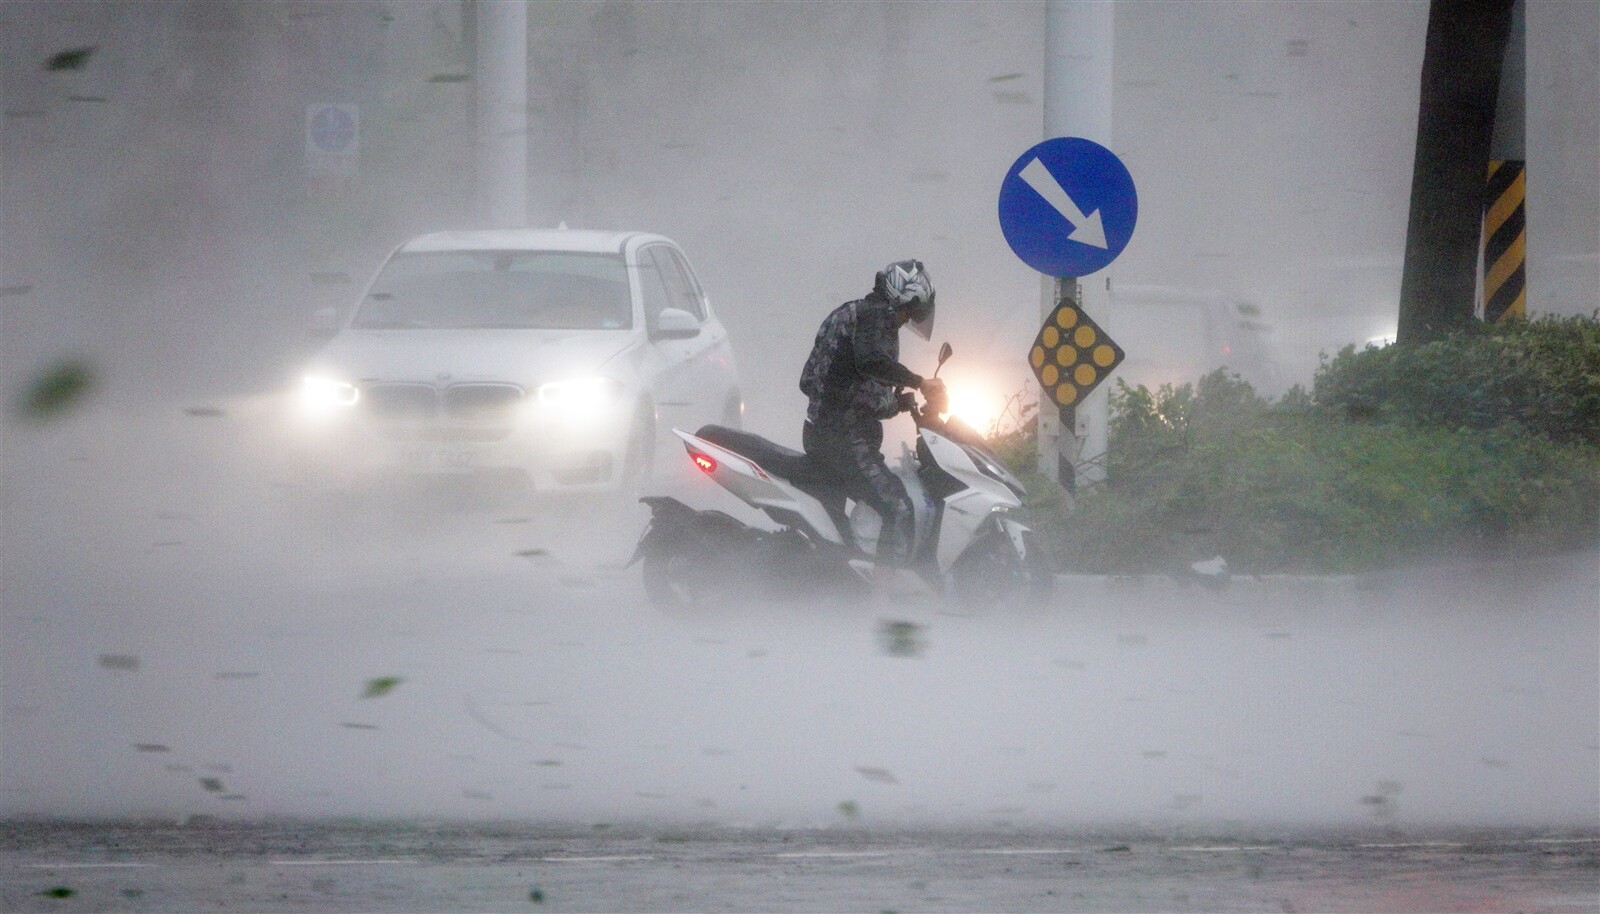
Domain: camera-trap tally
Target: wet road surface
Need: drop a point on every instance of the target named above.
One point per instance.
(436, 867)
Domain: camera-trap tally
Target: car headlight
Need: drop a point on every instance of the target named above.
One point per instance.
(323, 393)
(579, 394)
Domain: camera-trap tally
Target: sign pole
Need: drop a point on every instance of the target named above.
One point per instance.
(1079, 38)
(1051, 422)
(1066, 444)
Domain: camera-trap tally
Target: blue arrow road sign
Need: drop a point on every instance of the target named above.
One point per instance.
(1067, 207)
(331, 128)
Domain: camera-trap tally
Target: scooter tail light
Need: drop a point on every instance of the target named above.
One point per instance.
(703, 462)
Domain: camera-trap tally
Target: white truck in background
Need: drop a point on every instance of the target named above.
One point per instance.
(1174, 336)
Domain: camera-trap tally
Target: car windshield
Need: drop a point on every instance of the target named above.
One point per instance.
(501, 290)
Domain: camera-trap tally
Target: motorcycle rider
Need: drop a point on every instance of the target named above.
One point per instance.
(853, 379)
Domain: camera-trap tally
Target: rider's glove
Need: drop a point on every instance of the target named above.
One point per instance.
(931, 387)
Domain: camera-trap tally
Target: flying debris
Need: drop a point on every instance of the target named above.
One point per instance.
(71, 59)
(59, 891)
(15, 290)
(475, 714)
(900, 638)
(151, 747)
(382, 685)
(1212, 573)
(450, 78)
(57, 389)
(1383, 802)
(125, 662)
(354, 726)
(878, 775)
(213, 785)
(205, 412)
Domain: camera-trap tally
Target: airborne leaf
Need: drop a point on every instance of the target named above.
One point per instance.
(70, 59)
(57, 389)
(381, 686)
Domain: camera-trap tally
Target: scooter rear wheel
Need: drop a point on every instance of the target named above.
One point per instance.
(669, 579)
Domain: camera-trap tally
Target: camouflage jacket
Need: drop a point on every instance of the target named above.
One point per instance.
(854, 371)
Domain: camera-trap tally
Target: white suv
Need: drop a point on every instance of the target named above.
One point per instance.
(559, 354)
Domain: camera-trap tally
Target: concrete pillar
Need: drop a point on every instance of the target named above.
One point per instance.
(1079, 40)
(501, 90)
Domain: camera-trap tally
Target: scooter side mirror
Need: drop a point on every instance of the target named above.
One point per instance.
(944, 356)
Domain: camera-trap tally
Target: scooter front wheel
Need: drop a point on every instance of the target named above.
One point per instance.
(989, 573)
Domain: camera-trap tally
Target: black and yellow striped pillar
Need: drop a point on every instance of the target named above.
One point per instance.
(1505, 242)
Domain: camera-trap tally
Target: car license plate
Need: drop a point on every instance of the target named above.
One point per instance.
(437, 459)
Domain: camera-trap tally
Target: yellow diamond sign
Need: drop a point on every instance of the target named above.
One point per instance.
(1071, 355)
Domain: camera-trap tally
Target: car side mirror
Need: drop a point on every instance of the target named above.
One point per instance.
(675, 324)
(323, 323)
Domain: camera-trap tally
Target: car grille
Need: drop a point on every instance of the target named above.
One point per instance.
(481, 403)
(400, 402)
(459, 412)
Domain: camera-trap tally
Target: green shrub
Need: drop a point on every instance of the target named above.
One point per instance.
(1541, 375)
(1214, 469)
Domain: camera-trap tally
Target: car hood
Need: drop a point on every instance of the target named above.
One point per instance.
(524, 357)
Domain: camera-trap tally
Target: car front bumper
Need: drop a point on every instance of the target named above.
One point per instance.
(416, 432)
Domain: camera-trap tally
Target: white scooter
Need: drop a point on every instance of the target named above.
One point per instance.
(967, 543)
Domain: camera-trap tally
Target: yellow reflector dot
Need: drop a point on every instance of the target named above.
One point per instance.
(1083, 336)
(1036, 356)
(1066, 394)
(1066, 355)
(1066, 317)
(1050, 336)
(1103, 355)
(1084, 375)
(1049, 375)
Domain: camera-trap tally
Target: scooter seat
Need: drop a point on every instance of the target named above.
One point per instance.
(797, 467)
(776, 459)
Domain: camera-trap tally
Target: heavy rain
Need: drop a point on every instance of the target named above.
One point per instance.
(224, 630)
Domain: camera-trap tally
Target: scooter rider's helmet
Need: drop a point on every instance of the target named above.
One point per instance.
(907, 286)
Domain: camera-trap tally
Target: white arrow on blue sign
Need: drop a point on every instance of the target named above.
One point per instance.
(1068, 206)
(332, 129)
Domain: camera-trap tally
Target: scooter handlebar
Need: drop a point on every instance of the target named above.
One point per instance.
(935, 397)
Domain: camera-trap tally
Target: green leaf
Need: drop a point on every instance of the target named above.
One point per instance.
(57, 389)
(382, 685)
(71, 59)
